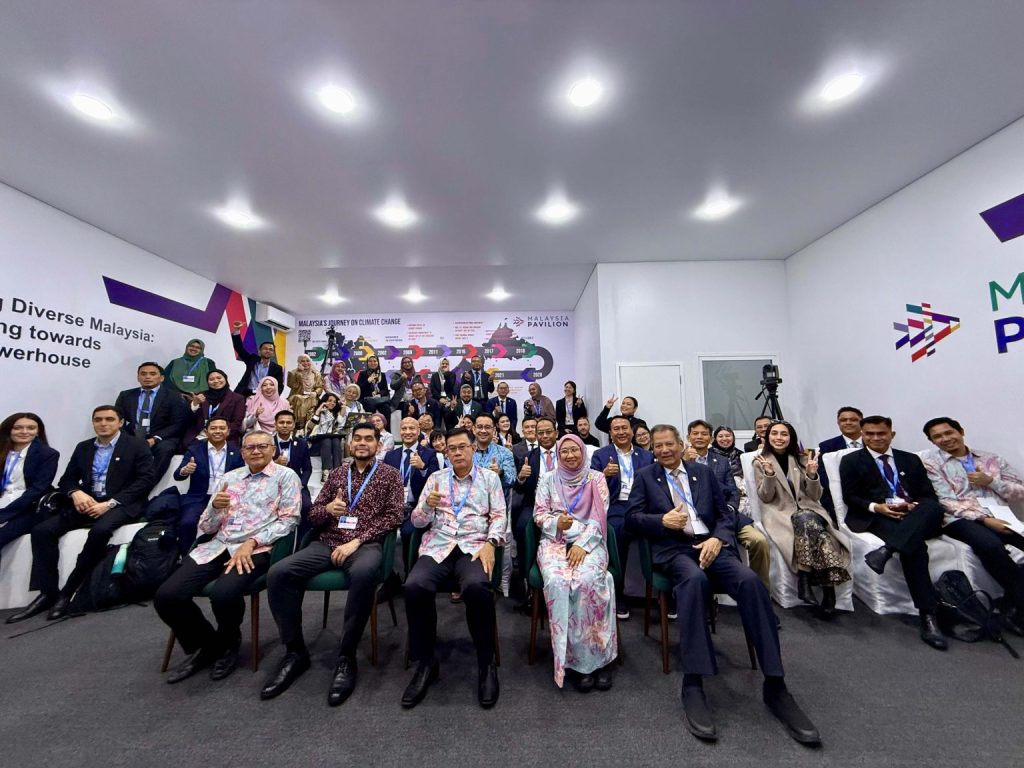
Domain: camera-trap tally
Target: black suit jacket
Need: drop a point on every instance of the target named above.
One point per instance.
(251, 359)
(130, 476)
(368, 389)
(199, 481)
(651, 498)
(752, 445)
(440, 388)
(452, 416)
(168, 416)
(432, 407)
(863, 484)
(486, 385)
(602, 422)
(527, 489)
(418, 478)
(40, 469)
(511, 409)
(298, 458)
(580, 409)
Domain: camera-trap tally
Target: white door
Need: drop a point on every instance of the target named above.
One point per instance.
(658, 389)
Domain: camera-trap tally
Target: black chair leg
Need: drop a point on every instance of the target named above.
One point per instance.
(167, 652)
(254, 623)
(647, 610)
(663, 605)
(327, 603)
(394, 616)
(534, 620)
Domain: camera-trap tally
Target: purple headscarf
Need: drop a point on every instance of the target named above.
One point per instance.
(572, 483)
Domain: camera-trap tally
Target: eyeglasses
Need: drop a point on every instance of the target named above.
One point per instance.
(460, 447)
(257, 448)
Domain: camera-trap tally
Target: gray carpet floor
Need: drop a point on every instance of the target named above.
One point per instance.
(87, 692)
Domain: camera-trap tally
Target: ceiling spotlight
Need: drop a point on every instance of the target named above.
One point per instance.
(498, 294)
(841, 87)
(336, 99)
(414, 296)
(585, 93)
(557, 210)
(330, 296)
(239, 215)
(395, 212)
(91, 107)
(717, 205)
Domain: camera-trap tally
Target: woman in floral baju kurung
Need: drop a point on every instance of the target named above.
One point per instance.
(571, 512)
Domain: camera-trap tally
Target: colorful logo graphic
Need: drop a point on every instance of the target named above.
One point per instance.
(924, 329)
(1006, 220)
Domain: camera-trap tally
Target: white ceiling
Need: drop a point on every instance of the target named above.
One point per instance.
(460, 119)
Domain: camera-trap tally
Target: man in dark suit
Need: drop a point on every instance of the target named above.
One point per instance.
(421, 404)
(680, 509)
(887, 492)
(257, 366)
(760, 428)
(105, 484)
(204, 464)
(848, 419)
(479, 381)
(293, 452)
(620, 462)
(503, 404)
(156, 414)
(415, 463)
(465, 405)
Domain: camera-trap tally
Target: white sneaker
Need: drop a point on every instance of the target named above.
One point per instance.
(673, 616)
(622, 614)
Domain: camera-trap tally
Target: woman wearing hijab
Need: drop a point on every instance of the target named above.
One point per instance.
(387, 440)
(724, 444)
(571, 511)
(789, 489)
(403, 379)
(262, 407)
(442, 383)
(539, 404)
(188, 373)
(306, 386)
(216, 400)
(337, 379)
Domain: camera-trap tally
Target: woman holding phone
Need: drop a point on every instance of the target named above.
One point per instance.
(789, 489)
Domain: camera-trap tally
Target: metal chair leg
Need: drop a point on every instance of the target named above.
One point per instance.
(663, 605)
(327, 603)
(534, 619)
(254, 624)
(167, 652)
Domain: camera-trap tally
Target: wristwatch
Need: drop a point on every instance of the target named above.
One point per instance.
(493, 543)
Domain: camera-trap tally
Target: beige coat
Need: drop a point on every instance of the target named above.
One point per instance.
(778, 506)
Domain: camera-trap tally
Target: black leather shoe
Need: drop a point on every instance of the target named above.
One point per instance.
(225, 664)
(803, 588)
(60, 609)
(603, 678)
(697, 714)
(425, 674)
(344, 681)
(784, 706)
(584, 683)
(878, 558)
(487, 686)
(828, 602)
(1013, 622)
(197, 662)
(931, 633)
(37, 606)
(288, 671)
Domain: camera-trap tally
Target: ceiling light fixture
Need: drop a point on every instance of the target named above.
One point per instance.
(239, 215)
(91, 106)
(498, 294)
(585, 93)
(331, 297)
(717, 205)
(557, 210)
(337, 99)
(396, 213)
(841, 87)
(414, 296)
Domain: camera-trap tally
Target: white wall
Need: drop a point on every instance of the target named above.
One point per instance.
(587, 371)
(925, 243)
(657, 312)
(58, 262)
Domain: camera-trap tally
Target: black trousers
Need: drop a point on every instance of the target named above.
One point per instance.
(175, 602)
(990, 547)
(909, 537)
(46, 546)
(693, 593)
(286, 586)
(188, 520)
(421, 588)
(17, 527)
(163, 453)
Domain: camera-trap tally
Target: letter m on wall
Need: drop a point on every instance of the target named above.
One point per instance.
(995, 290)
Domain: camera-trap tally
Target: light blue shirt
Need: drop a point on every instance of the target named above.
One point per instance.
(101, 465)
(506, 462)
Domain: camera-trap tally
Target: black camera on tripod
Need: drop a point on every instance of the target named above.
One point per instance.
(770, 380)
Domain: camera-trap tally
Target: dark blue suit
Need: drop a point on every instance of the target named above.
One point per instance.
(511, 409)
(617, 508)
(674, 554)
(299, 461)
(417, 481)
(195, 500)
(413, 409)
(19, 516)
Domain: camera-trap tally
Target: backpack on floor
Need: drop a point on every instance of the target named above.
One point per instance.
(104, 587)
(966, 613)
(152, 557)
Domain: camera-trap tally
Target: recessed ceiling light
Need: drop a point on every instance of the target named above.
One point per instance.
(395, 212)
(414, 296)
(498, 294)
(585, 92)
(717, 205)
(337, 99)
(557, 210)
(841, 87)
(330, 296)
(239, 215)
(91, 106)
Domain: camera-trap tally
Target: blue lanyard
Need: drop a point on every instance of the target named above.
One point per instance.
(679, 489)
(213, 410)
(194, 365)
(359, 494)
(457, 506)
(968, 463)
(9, 469)
(628, 474)
(570, 508)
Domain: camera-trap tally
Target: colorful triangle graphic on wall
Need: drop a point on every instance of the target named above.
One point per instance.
(924, 329)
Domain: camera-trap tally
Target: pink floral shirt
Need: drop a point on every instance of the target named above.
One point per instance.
(482, 517)
(958, 495)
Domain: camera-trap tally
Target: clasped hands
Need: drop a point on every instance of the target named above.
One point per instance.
(87, 505)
